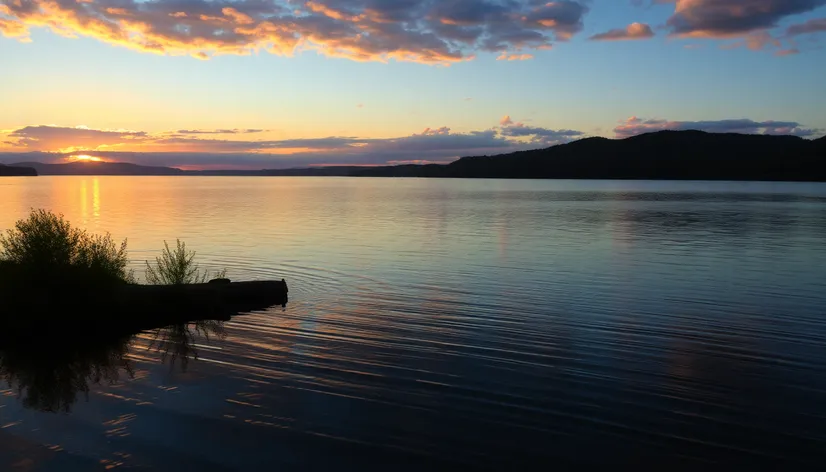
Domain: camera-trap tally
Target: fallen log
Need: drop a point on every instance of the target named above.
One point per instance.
(218, 301)
(131, 308)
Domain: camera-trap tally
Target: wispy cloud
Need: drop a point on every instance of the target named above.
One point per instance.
(540, 136)
(787, 52)
(817, 25)
(202, 148)
(198, 148)
(219, 131)
(634, 126)
(632, 31)
(514, 57)
(427, 31)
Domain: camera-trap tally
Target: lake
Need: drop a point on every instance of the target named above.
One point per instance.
(454, 324)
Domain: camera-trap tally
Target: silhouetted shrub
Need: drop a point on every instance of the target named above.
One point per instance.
(176, 267)
(45, 248)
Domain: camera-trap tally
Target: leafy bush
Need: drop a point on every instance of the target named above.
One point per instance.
(176, 267)
(46, 248)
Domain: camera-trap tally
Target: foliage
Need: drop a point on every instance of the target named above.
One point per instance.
(46, 247)
(176, 267)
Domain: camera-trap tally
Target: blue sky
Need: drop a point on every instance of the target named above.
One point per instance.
(380, 81)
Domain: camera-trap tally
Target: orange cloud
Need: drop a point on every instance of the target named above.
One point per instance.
(118, 11)
(362, 30)
(330, 12)
(69, 139)
(514, 57)
(237, 16)
(12, 29)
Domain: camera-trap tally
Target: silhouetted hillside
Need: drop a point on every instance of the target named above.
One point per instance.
(99, 168)
(668, 155)
(820, 145)
(10, 171)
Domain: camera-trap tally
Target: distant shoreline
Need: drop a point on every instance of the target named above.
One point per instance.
(809, 181)
(17, 171)
(664, 155)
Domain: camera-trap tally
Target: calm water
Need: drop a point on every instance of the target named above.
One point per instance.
(455, 323)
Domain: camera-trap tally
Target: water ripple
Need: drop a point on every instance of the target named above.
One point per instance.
(492, 324)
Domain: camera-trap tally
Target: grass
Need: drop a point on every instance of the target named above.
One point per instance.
(177, 266)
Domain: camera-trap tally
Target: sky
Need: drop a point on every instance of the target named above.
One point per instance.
(294, 83)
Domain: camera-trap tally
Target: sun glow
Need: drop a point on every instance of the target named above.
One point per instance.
(85, 158)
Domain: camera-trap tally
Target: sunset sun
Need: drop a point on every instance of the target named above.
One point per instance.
(85, 158)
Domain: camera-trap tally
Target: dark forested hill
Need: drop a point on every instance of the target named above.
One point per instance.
(685, 155)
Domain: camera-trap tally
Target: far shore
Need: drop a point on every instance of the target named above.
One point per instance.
(663, 155)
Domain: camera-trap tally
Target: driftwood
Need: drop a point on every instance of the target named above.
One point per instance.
(130, 308)
(170, 304)
(203, 300)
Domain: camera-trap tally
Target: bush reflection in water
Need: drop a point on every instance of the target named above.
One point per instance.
(50, 373)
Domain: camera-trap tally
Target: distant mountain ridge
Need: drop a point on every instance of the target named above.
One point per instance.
(16, 171)
(663, 155)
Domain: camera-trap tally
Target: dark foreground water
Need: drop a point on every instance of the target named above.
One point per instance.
(448, 324)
